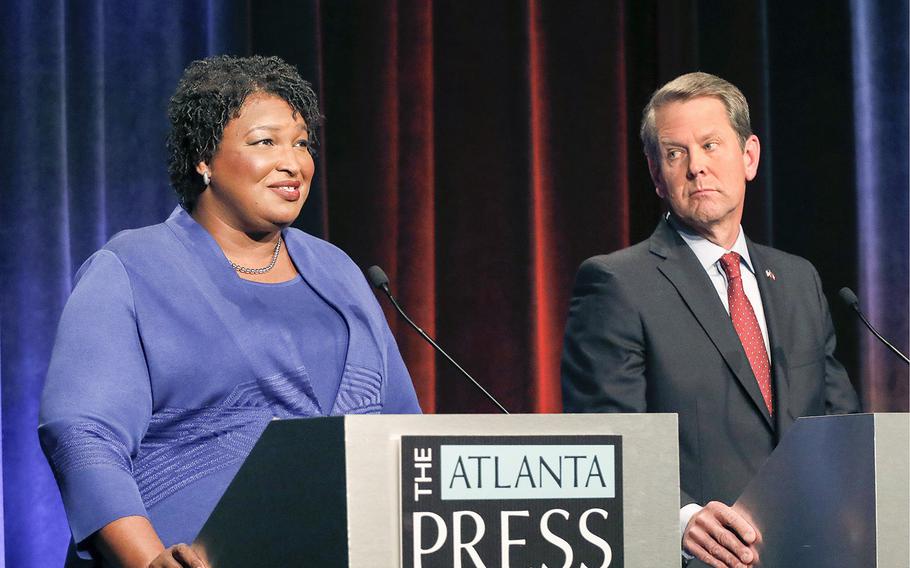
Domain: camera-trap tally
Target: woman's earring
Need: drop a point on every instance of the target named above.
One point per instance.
(206, 178)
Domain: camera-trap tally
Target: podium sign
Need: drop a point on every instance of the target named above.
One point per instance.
(602, 489)
(511, 501)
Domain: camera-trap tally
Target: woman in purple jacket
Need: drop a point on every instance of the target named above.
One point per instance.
(182, 340)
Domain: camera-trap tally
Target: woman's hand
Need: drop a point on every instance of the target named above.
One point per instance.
(131, 542)
(178, 556)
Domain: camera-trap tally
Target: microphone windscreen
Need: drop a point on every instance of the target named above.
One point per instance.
(847, 295)
(377, 277)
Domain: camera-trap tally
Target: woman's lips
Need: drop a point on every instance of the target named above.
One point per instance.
(289, 191)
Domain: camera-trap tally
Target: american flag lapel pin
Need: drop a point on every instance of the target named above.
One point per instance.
(770, 274)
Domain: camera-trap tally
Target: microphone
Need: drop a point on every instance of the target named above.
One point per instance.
(379, 280)
(847, 295)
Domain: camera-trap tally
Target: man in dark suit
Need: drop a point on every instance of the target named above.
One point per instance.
(698, 320)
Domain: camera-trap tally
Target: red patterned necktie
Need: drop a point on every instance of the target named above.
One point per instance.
(747, 328)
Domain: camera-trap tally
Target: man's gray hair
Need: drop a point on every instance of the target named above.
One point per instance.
(690, 86)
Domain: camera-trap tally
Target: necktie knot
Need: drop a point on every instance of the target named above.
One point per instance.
(730, 262)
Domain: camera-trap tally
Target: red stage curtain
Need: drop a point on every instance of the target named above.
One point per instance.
(479, 151)
(478, 165)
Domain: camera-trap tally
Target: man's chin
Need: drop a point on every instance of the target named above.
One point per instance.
(707, 216)
(700, 224)
(693, 222)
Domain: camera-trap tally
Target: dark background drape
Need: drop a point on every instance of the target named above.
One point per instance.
(477, 150)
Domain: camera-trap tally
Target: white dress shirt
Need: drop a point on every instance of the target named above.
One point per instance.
(709, 255)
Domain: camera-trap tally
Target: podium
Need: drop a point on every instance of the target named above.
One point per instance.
(453, 490)
(835, 492)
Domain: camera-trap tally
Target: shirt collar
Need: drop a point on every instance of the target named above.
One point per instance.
(708, 253)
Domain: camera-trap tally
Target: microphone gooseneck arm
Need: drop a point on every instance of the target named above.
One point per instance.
(851, 300)
(378, 279)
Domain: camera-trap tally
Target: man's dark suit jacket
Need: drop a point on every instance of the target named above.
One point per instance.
(647, 332)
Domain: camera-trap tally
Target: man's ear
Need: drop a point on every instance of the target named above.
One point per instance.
(655, 177)
(751, 153)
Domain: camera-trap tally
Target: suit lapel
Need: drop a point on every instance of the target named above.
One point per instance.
(682, 269)
(774, 302)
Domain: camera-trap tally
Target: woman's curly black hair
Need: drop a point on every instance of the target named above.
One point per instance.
(210, 94)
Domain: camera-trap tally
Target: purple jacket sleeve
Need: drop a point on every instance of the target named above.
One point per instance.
(97, 400)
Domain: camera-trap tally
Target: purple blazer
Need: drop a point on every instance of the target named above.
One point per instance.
(160, 383)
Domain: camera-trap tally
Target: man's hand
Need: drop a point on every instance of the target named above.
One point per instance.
(720, 537)
(178, 556)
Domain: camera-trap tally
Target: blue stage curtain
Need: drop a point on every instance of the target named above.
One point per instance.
(881, 95)
(85, 88)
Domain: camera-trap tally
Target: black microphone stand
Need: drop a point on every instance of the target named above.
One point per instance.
(851, 300)
(379, 279)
